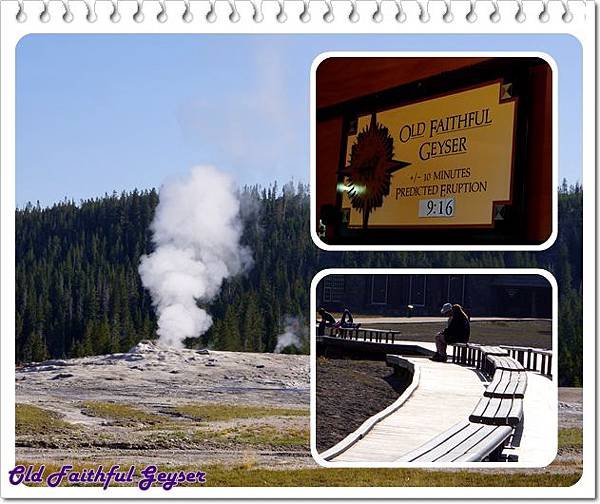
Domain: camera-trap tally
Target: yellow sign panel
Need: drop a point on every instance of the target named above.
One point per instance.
(441, 162)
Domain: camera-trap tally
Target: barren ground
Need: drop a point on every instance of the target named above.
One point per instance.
(348, 393)
(534, 333)
(167, 406)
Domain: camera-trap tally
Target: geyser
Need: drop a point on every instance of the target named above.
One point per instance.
(196, 232)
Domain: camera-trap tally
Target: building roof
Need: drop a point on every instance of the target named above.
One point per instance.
(520, 281)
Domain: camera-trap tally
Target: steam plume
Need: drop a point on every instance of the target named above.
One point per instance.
(196, 232)
(292, 335)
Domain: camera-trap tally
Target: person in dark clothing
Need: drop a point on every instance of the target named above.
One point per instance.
(347, 319)
(327, 320)
(458, 331)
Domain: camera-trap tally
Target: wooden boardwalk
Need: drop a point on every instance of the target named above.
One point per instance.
(446, 394)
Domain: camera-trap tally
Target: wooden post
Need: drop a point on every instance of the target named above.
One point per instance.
(543, 367)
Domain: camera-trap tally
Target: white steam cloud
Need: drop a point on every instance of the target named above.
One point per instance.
(293, 333)
(196, 232)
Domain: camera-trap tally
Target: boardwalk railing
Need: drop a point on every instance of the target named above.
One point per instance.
(532, 359)
(363, 334)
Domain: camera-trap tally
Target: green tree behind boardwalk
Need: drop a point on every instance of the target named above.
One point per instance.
(78, 291)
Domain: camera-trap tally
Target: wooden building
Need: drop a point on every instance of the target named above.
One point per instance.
(501, 295)
(354, 94)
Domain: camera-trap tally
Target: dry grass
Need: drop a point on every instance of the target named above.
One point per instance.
(258, 435)
(570, 438)
(122, 414)
(32, 420)
(220, 412)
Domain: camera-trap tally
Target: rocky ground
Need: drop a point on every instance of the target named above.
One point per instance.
(166, 406)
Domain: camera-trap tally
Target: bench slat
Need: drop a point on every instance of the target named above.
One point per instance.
(498, 411)
(479, 445)
(496, 438)
(493, 350)
(507, 384)
(430, 445)
(454, 448)
(507, 363)
(464, 441)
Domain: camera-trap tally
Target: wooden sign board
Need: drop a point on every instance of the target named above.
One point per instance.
(441, 162)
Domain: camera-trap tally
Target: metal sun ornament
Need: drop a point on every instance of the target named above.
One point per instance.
(371, 167)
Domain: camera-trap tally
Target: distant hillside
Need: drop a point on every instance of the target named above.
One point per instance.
(78, 291)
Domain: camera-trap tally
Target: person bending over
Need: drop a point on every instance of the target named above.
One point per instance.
(457, 331)
(327, 320)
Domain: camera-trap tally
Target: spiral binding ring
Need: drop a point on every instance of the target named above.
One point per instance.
(448, 17)
(378, 15)
(45, 14)
(424, 16)
(281, 15)
(400, 15)
(544, 16)
(68, 15)
(354, 16)
(115, 17)
(305, 16)
(520, 15)
(495, 15)
(162, 16)
(234, 15)
(328, 17)
(257, 16)
(21, 17)
(472, 15)
(91, 16)
(187, 15)
(138, 17)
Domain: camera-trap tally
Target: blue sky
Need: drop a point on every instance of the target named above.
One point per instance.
(97, 113)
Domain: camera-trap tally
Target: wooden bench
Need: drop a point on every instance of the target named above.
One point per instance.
(493, 350)
(507, 384)
(498, 411)
(507, 363)
(464, 442)
(473, 354)
(492, 421)
(465, 353)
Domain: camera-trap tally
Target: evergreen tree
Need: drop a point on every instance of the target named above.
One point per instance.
(78, 291)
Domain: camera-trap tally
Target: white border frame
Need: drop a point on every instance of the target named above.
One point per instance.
(581, 28)
(430, 54)
(425, 271)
